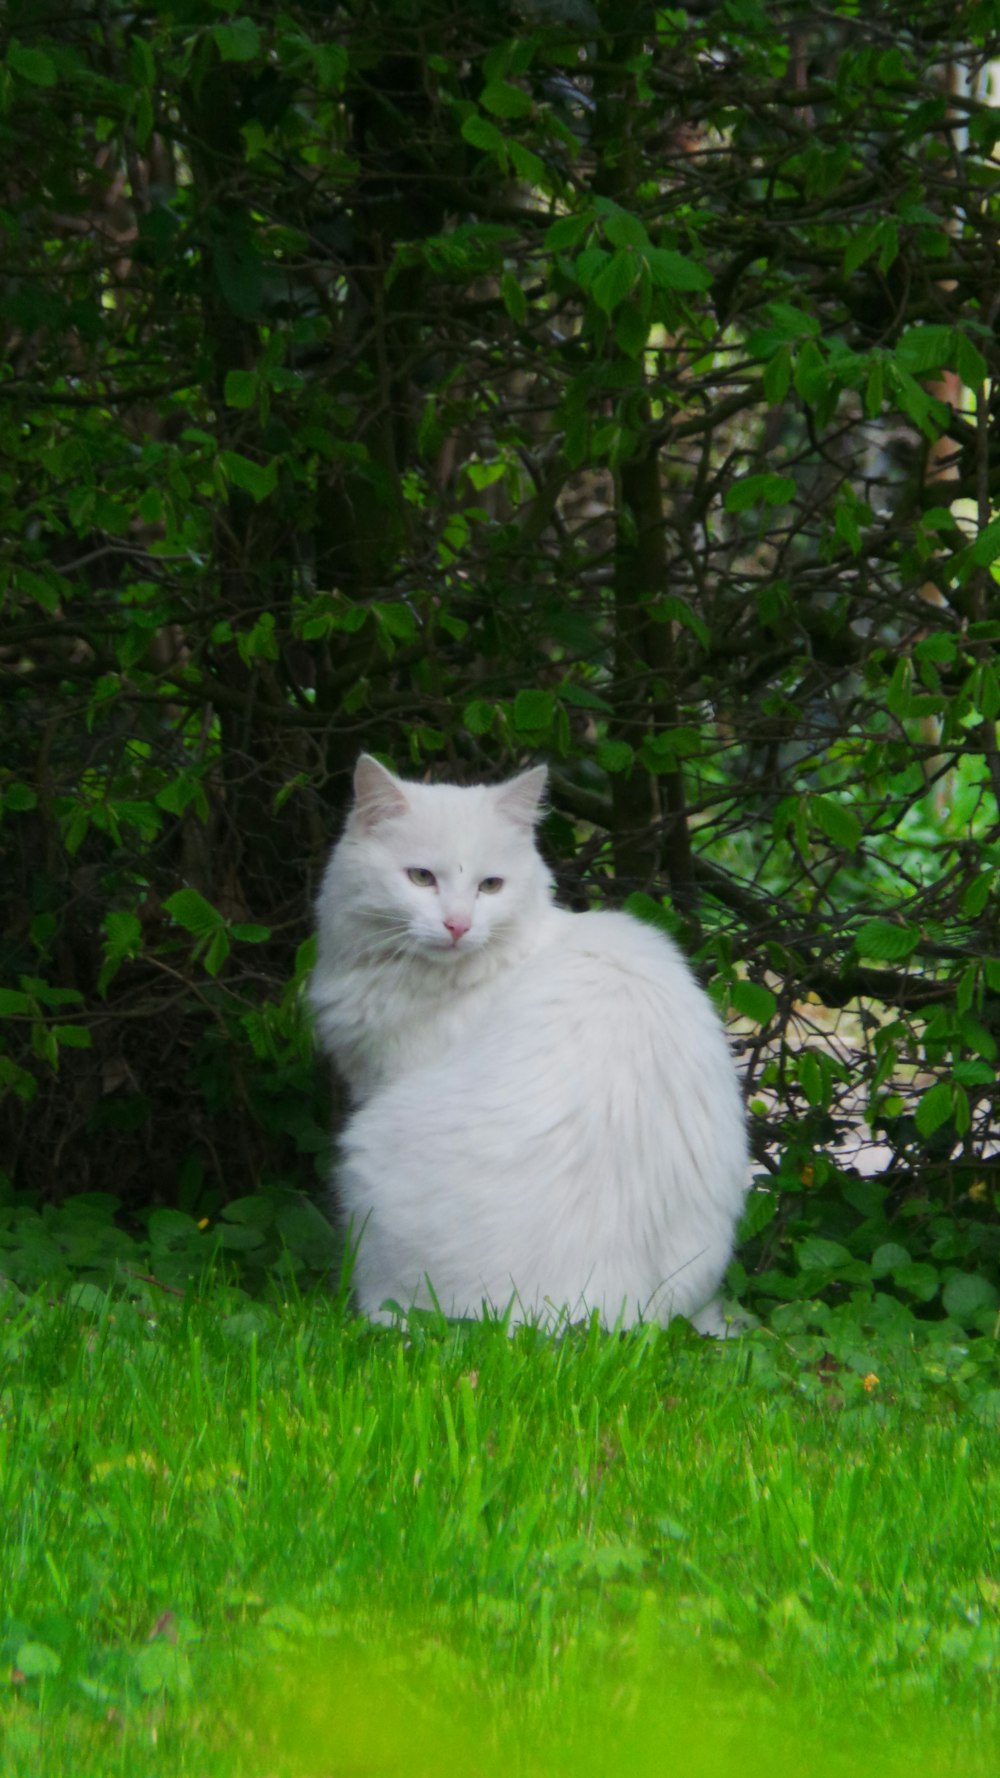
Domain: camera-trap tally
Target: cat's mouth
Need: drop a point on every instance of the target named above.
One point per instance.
(447, 948)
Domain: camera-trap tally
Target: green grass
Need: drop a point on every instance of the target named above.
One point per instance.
(262, 1540)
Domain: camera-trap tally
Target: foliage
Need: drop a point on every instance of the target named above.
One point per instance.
(89, 1244)
(611, 384)
(242, 1536)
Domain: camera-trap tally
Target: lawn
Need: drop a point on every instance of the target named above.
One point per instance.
(253, 1537)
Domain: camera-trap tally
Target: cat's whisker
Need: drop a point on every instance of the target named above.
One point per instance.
(385, 925)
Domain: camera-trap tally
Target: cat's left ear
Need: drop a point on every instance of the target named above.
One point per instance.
(378, 796)
(521, 798)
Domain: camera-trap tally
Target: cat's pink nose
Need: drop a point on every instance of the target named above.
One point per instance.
(456, 924)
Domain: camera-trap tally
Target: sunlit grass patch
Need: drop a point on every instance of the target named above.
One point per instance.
(247, 1537)
(412, 1706)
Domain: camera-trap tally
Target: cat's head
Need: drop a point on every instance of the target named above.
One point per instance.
(441, 870)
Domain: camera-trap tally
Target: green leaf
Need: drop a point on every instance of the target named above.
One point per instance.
(759, 1211)
(257, 479)
(875, 389)
(631, 329)
(332, 64)
(969, 361)
(763, 490)
(568, 231)
(816, 1254)
(534, 710)
(623, 230)
(938, 646)
(923, 348)
(661, 752)
(977, 1037)
(777, 377)
(967, 1294)
(963, 1111)
(921, 1281)
(674, 271)
(860, 246)
(241, 388)
(934, 1108)
(37, 1660)
(671, 608)
(238, 40)
(977, 894)
(812, 372)
(305, 956)
(514, 299)
(193, 912)
(837, 821)
(238, 1237)
(478, 716)
(652, 912)
(753, 1001)
(255, 1211)
(811, 1078)
(899, 691)
(33, 65)
(396, 620)
(888, 1258)
(305, 1230)
(73, 1037)
(48, 995)
(986, 695)
(481, 475)
(179, 794)
(888, 244)
(924, 409)
(45, 588)
(887, 940)
(785, 326)
(505, 100)
(613, 284)
(974, 1074)
(246, 933)
(172, 1228)
(217, 951)
(845, 522)
(20, 797)
(260, 642)
(614, 756)
(584, 698)
(480, 133)
(142, 64)
(13, 1003)
(589, 265)
(527, 164)
(162, 1666)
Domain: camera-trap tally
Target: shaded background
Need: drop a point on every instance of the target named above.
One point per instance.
(588, 382)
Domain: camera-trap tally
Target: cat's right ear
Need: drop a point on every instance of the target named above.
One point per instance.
(378, 796)
(521, 797)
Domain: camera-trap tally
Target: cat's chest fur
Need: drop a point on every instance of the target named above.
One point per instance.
(378, 1022)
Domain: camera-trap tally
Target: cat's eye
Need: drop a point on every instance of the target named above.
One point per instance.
(490, 885)
(424, 879)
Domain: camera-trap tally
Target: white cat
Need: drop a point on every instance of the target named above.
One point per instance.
(547, 1117)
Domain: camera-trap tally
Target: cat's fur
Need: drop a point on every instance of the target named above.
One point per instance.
(546, 1112)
